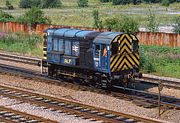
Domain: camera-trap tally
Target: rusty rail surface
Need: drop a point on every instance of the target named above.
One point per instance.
(146, 38)
(9, 115)
(164, 82)
(20, 59)
(71, 107)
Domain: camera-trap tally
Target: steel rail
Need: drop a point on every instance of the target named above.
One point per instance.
(13, 116)
(71, 107)
(152, 97)
(164, 82)
(20, 59)
(134, 94)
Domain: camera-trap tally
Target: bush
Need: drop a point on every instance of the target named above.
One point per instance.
(176, 25)
(50, 3)
(165, 3)
(97, 20)
(129, 25)
(40, 3)
(82, 3)
(112, 24)
(124, 24)
(25, 4)
(34, 16)
(5, 17)
(152, 24)
(121, 2)
(146, 63)
(105, 1)
(8, 5)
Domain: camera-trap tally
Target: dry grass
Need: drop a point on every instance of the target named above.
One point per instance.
(71, 15)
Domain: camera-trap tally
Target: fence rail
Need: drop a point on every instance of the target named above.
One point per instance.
(146, 38)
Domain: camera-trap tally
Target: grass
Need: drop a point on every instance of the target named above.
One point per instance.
(22, 43)
(71, 15)
(162, 61)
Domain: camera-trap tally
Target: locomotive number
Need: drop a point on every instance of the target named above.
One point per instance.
(67, 61)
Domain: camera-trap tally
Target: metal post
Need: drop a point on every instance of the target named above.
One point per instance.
(41, 67)
(160, 87)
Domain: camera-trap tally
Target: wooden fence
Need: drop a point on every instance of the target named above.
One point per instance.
(146, 38)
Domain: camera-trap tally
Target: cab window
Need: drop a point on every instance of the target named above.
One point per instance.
(135, 46)
(97, 49)
(114, 48)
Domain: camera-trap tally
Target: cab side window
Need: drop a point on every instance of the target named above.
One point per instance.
(135, 46)
(97, 49)
(114, 48)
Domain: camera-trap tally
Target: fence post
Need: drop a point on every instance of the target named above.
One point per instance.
(160, 87)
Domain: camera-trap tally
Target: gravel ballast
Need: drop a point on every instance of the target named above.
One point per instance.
(86, 97)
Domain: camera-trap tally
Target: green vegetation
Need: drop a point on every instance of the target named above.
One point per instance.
(97, 20)
(177, 25)
(152, 24)
(9, 5)
(5, 17)
(72, 15)
(124, 24)
(34, 16)
(40, 3)
(160, 60)
(82, 3)
(165, 3)
(25, 44)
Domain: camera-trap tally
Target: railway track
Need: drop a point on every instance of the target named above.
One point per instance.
(70, 107)
(165, 82)
(8, 115)
(141, 98)
(37, 61)
(20, 59)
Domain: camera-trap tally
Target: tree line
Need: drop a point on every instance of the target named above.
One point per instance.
(123, 2)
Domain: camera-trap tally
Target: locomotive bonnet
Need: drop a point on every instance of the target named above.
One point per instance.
(96, 57)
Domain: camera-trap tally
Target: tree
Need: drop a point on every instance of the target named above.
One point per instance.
(8, 5)
(35, 16)
(97, 20)
(82, 3)
(152, 25)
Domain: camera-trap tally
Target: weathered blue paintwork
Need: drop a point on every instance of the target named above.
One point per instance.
(106, 37)
(71, 48)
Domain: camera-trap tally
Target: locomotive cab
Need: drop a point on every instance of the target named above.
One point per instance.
(117, 55)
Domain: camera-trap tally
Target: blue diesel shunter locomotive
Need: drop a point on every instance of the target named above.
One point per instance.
(89, 56)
